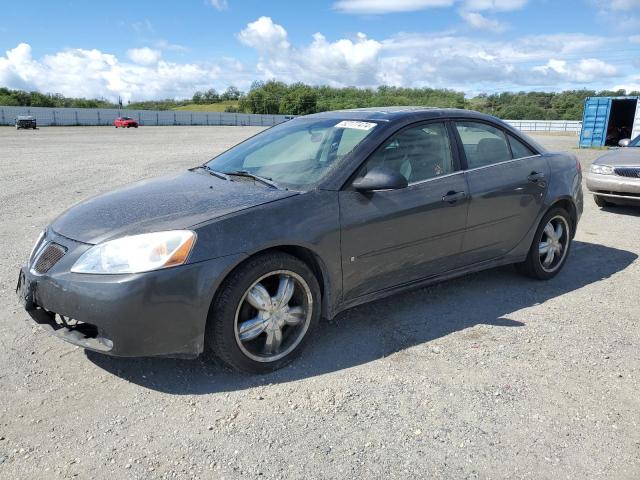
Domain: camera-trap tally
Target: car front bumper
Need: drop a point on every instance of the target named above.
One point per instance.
(614, 186)
(160, 313)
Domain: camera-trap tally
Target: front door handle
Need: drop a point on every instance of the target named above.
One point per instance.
(535, 177)
(453, 197)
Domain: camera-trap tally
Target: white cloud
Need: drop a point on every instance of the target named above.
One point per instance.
(264, 35)
(480, 22)
(93, 74)
(623, 4)
(634, 39)
(143, 26)
(494, 5)
(386, 6)
(144, 56)
(584, 71)
(632, 84)
(621, 15)
(438, 60)
(219, 4)
(172, 47)
(435, 60)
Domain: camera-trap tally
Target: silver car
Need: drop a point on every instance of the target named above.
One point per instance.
(614, 178)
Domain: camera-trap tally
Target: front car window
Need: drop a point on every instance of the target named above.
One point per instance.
(418, 153)
(297, 153)
(483, 144)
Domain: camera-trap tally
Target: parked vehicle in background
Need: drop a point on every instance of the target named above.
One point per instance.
(614, 178)
(243, 255)
(26, 122)
(125, 122)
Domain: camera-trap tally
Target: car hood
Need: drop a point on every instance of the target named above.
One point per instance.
(620, 157)
(164, 203)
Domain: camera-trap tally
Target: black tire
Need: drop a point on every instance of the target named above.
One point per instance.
(601, 202)
(222, 337)
(533, 265)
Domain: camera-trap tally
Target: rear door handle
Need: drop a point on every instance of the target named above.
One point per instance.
(453, 197)
(535, 177)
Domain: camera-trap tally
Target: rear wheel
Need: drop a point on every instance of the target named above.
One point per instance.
(264, 313)
(550, 247)
(601, 202)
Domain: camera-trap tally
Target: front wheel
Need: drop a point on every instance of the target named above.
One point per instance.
(264, 313)
(550, 247)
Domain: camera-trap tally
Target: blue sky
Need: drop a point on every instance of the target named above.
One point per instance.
(145, 49)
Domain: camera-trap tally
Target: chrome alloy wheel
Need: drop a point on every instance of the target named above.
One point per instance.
(553, 243)
(273, 316)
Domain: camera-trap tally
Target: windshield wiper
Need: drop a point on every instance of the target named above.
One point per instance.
(245, 173)
(211, 171)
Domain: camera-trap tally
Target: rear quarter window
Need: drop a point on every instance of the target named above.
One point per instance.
(519, 149)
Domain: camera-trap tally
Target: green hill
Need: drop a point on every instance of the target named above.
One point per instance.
(208, 107)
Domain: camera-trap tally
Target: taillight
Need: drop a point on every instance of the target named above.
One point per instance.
(578, 165)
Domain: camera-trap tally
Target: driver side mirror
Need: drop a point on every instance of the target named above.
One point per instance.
(380, 178)
(624, 142)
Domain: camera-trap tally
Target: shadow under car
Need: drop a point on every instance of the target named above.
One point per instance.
(372, 331)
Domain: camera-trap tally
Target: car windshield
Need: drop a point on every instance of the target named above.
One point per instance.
(126, 118)
(635, 142)
(296, 154)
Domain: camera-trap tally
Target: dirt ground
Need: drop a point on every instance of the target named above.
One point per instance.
(487, 376)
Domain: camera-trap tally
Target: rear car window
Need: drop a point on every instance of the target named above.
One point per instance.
(483, 144)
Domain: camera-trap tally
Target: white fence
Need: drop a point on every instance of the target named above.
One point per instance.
(104, 116)
(569, 126)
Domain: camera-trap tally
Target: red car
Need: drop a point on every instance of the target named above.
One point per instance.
(125, 122)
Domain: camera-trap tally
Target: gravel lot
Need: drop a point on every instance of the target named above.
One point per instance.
(488, 376)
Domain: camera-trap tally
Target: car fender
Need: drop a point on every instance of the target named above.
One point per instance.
(309, 222)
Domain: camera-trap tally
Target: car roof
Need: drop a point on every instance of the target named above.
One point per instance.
(405, 115)
(391, 114)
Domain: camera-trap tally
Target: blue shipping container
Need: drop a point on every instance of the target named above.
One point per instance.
(607, 120)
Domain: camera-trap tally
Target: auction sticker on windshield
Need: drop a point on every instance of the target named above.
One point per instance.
(356, 125)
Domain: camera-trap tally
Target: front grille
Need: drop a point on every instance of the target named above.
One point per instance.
(632, 172)
(51, 254)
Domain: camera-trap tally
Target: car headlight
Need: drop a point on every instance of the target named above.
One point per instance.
(602, 169)
(137, 253)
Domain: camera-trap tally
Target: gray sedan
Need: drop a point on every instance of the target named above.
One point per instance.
(240, 257)
(614, 178)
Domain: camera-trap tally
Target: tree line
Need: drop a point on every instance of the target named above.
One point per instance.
(274, 97)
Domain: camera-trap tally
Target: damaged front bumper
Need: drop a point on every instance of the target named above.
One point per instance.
(159, 313)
